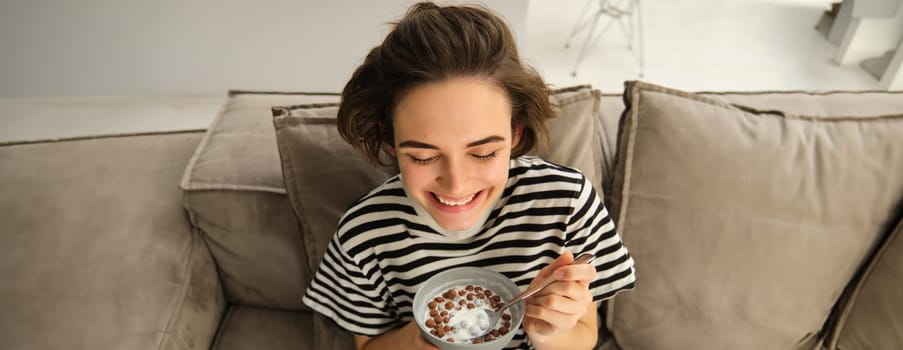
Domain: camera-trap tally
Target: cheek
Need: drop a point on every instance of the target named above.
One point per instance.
(497, 172)
(415, 176)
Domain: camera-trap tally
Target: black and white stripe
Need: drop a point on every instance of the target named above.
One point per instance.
(383, 251)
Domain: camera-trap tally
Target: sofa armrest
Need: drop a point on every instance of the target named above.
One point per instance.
(199, 306)
(97, 251)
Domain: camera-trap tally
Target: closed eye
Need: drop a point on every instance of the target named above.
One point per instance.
(423, 160)
(487, 156)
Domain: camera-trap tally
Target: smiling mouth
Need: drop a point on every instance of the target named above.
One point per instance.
(454, 202)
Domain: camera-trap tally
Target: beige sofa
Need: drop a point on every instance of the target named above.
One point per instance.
(758, 220)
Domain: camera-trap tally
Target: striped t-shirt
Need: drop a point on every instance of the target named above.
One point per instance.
(386, 246)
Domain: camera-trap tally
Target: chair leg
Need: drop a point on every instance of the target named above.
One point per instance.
(578, 27)
(632, 30)
(639, 16)
(586, 44)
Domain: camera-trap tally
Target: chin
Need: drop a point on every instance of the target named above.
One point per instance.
(457, 226)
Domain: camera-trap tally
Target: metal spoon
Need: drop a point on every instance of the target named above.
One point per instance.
(494, 316)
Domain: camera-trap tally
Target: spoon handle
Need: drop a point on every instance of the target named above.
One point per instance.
(582, 259)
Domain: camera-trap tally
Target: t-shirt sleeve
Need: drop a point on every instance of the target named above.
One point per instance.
(591, 230)
(353, 296)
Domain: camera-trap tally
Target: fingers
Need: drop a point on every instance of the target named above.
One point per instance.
(560, 303)
(422, 344)
(578, 273)
(558, 309)
(427, 346)
(556, 312)
(419, 342)
(554, 319)
(534, 326)
(576, 290)
(562, 260)
(567, 298)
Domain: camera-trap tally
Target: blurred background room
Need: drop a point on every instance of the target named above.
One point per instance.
(92, 67)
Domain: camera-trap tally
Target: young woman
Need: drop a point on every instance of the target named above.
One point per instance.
(447, 97)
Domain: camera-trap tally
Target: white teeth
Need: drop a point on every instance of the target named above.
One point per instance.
(453, 203)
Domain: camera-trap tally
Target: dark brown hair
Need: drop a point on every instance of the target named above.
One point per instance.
(430, 44)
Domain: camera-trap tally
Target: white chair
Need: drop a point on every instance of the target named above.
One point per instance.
(614, 11)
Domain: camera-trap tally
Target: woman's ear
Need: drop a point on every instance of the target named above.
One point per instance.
(516, 133)
(389, 149)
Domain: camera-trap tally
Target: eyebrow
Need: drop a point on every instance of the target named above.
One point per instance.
(417, 144)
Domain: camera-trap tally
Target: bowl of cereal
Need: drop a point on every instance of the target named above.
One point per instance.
(449, 306)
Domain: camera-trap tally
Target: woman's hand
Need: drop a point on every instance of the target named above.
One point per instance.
(559, 307)
(407, 337)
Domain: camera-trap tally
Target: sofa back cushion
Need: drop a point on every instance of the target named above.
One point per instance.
(324, 174)
(234, 193)
(746, 224)
(808, 103)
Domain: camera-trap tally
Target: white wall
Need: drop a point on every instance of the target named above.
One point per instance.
(193, 47)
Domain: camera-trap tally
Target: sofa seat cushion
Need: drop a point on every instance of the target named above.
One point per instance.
(746, 225)
(235, 194)
(249, 327)
(97, 250)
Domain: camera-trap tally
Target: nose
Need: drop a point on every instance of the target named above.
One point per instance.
(453, 176)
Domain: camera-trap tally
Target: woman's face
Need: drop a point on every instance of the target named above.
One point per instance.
(453, 140)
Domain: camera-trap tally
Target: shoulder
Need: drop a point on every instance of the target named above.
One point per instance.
(537, 172)
(381, 208)
(535, 165)
(391, 188)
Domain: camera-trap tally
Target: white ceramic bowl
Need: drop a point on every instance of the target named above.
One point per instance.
(460, 276)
